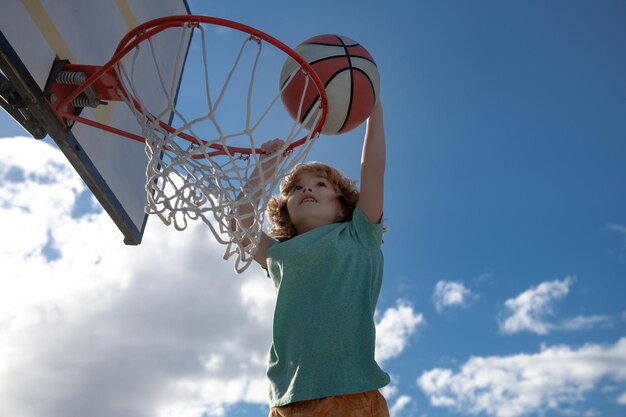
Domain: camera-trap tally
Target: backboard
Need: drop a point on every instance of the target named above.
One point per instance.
(36, 35)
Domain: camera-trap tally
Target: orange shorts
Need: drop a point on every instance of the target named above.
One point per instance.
(363, 404)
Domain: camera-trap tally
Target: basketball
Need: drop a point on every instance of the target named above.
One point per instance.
(350, 78)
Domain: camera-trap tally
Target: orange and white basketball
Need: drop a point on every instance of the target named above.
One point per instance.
(350, 78)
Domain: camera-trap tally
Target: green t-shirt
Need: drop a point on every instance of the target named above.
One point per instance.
(327, 282)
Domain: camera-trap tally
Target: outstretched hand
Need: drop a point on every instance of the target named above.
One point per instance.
(272, 156)
(252, 187)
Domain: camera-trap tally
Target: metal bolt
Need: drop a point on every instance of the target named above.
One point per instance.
(39, 132)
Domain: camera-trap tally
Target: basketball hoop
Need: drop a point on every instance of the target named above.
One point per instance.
(197, 168)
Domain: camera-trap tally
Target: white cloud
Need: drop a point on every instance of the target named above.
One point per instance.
(584, 322)
(394, 330)
(450, 294)
(396, 404)
(618, 228)
(510, 386)
(622, 231)
(399, 405)
(530, 307)
(107, 328)
(391, 390)
(163, 329)
(532, 310)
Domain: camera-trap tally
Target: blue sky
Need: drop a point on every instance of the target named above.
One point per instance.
(505, 204)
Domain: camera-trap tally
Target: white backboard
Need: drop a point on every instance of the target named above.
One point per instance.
(36, 33)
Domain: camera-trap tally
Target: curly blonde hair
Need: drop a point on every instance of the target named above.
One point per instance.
(281, 227)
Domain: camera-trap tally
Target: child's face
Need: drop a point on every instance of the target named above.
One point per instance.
(313, 202)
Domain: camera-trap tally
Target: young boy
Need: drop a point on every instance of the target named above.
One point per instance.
(325, 261)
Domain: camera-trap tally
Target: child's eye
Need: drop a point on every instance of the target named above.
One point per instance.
(321, 184)
(298, 187)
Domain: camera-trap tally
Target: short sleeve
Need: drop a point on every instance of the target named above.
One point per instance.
(370, 234)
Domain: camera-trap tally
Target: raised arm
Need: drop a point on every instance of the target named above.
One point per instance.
(268, 163)
(373, 166)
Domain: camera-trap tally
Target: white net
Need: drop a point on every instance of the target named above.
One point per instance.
(203, 151)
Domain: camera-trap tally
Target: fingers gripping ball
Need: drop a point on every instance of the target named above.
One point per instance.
(350, 78)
